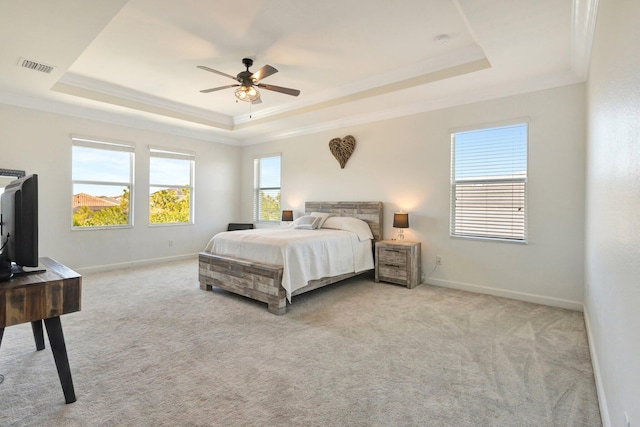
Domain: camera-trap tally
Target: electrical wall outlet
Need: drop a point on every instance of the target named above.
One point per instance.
(170, 242)
(438, 260)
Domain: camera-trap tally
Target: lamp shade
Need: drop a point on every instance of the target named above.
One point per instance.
(400, 220)
(287, 215)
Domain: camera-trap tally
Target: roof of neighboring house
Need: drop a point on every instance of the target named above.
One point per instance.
(84, 199)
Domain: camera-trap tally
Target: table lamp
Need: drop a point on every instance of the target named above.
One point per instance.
(400, 221)
(287, 215)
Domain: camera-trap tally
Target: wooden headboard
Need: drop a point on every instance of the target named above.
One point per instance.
(369, 212)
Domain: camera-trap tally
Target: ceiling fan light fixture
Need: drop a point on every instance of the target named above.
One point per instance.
(247, 93)
(246, 82)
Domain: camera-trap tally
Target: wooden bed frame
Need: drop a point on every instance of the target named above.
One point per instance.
(261, 281)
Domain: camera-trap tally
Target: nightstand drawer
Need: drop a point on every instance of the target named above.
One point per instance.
(393, 257)
(386, 273)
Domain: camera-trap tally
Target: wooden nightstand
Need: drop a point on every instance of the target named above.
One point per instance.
(398, 261)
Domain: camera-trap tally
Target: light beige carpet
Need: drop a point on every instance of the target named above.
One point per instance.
(149, 348)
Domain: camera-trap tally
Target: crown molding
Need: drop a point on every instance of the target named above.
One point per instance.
(583, 27)
(414, 74)
(82, 112)
(495, 92)
(382, 90)
(564, 78)
(76, 85)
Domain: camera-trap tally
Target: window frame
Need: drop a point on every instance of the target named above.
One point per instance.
(173, 153)
(257, 188)
(518, 180)
(106, 145)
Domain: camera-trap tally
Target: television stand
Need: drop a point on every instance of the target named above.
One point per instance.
(43, 297)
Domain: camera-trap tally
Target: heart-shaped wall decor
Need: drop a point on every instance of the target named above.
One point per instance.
(342, 149)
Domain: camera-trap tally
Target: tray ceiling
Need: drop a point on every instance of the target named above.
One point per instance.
(134, 62)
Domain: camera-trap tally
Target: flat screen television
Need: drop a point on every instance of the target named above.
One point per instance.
(19, 227)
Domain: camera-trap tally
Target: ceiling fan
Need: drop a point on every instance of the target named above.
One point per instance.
(248, 82)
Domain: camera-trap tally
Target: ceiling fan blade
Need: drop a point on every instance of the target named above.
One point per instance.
(213, 89)
(285, 90)
(202, 67)
(263, 72)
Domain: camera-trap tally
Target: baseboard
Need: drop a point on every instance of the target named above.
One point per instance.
(130, 264)
(602, 399)
(521, 296)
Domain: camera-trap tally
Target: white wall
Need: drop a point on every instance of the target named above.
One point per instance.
(404, 163)
(613, 210)
(39, 142)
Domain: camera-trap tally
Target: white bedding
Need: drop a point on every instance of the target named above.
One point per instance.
(304, 254)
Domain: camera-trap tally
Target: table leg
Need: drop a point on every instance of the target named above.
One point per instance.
(59, 349)
(38, 336)
(1, 334)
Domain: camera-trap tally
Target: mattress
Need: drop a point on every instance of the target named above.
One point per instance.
(304, 254)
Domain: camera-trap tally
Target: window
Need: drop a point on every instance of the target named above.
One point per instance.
(488, 183)
(102, 178)
(170, 186)
(266, 203)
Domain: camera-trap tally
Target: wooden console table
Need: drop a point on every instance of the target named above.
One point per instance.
(44, 297)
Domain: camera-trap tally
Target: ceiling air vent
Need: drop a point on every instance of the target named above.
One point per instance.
(33, 65)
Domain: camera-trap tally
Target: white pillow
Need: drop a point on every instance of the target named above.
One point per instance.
(307, 222)
(350, 223)
(323, 217)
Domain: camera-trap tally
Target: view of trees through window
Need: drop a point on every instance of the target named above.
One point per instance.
(266, 205)
(169, 206)
(102, 184)
(100, 211)
(102, 180)
(166, 206)
(170, 178)
(269, 206)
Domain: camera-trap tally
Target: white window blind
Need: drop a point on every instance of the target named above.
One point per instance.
(266, 202)
(489, 183)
